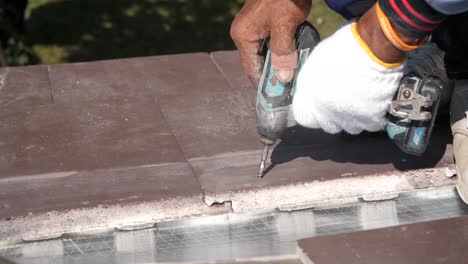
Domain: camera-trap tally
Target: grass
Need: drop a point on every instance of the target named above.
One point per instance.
(326, 20)
(82, 30)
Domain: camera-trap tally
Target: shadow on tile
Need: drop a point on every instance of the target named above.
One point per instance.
(366, 148)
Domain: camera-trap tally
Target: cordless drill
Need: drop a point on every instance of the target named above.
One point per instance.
(412, 113)
(274, 98)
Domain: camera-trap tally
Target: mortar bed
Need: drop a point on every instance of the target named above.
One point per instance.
(253, 237)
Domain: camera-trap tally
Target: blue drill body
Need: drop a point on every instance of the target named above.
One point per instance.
(274, 98)
(412, 114)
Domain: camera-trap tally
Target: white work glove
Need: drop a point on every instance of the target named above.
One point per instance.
(341, 87)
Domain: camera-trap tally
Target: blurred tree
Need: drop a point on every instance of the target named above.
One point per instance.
(59, 31)
(3, 60)
(12, 32)
(84, 30)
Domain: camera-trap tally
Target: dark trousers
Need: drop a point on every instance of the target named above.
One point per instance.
(452, 37)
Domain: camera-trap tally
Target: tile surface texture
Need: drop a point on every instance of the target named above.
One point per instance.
(307, 155)
(24, 86)
(95, 136)
(206, 114)
(101, 80)
(194, 113)
(86, 189)
(86, 136)
(442, 241)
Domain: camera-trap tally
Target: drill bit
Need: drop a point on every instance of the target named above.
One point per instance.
(266, 149)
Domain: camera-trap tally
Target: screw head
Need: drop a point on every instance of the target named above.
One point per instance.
(407, 94)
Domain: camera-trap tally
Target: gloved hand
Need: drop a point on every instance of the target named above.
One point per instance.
(259, 19)
(344, 85)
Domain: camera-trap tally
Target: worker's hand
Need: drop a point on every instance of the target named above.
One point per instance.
(259, 19)
(349, 80)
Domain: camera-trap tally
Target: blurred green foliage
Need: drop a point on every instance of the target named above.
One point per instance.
(16, 52)
(325, 19)
(81, 30)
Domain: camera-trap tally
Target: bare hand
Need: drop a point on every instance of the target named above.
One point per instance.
(278, 19)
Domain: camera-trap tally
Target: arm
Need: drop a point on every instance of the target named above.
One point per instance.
(351, 77)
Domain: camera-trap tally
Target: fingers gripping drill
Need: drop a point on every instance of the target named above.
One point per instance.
(411, 115)
(274, 97)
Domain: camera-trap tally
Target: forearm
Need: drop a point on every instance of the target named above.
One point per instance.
(393, 27)
(412, 18)
(372, 34)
